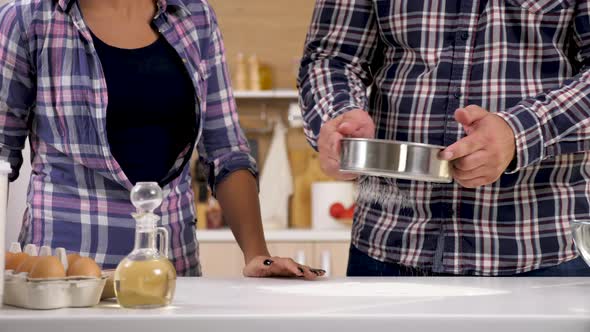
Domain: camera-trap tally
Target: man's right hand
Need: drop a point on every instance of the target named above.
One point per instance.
(356, 124)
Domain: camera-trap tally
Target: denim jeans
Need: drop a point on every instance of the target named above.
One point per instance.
(361, 265)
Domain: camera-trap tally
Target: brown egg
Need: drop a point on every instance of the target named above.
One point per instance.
(8, 260)
(84, 267)
(72, 258)
(47, 267)
(27, 264)
(14, 260)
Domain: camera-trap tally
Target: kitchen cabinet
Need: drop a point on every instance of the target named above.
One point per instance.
(446, 304)
(301, 252)
(221, 256)
(332, 257)
(221, 259)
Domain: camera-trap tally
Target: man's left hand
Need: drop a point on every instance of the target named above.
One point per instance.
(483, 155)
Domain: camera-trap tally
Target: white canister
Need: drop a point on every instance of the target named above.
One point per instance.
(326, 194)
(4, 171)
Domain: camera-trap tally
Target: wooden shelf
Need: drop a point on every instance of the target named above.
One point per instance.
(270, 94)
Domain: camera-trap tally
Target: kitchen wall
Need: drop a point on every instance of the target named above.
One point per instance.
(274, 30)
(17, 199)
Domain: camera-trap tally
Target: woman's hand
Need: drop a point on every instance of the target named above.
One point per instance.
(264, 267)
(238, 196)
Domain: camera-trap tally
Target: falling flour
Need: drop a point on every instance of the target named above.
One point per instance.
(388, 195)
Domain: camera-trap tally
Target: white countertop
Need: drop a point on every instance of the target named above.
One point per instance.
(285, 235)
(356, 305)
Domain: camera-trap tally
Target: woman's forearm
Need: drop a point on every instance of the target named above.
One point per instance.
(238, 197)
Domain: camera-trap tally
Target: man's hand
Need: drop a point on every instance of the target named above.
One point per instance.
(481, 157)
(356, 124)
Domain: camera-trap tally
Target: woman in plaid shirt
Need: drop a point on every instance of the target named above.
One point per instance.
(62, 86)
(504, 84)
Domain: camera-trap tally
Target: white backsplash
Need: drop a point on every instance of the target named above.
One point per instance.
(17, 198)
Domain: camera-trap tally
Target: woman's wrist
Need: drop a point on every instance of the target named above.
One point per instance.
(249, 255)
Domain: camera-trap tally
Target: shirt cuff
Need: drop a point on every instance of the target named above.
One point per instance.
(528, 134)
(228, 164)
(329, 108)
(341, 104)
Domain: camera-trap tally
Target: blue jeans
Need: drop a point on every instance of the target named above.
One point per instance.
(361, 265)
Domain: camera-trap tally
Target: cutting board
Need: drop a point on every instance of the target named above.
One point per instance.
(306, 170)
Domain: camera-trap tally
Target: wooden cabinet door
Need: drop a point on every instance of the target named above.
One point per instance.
(301, 252)
(225, 259)
(221, 259)
(332, 257)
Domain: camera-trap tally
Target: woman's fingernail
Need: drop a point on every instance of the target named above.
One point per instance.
(268, 262)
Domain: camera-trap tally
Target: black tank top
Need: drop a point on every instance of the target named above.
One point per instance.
(151, 112)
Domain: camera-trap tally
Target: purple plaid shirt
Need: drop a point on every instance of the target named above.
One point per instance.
(525, 60)
(52, 90)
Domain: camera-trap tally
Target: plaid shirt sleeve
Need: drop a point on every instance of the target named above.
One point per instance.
(16, 88)
(335, 72)
(224, 148)
(557, 122)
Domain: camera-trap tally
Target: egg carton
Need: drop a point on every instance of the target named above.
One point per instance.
(42, 294)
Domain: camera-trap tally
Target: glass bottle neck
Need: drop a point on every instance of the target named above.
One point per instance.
(145, 239)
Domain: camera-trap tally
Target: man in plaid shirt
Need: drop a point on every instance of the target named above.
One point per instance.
(503, 84)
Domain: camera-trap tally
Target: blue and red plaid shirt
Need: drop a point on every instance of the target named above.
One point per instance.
(525, 60)
(53, 91)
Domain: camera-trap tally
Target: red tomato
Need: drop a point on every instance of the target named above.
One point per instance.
(348, 214)
(336, 210)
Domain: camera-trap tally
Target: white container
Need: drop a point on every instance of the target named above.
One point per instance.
(21, 291)
(4, 171)
(323, 196)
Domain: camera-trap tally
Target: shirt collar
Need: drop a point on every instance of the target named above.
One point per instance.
(164, 4)
(66, 5)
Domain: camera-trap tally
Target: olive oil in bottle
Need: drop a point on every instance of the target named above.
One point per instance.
(146, 278)
(146, 284)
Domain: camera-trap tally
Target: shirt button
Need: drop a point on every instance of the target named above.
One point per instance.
(458, 94)
(464, 35)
